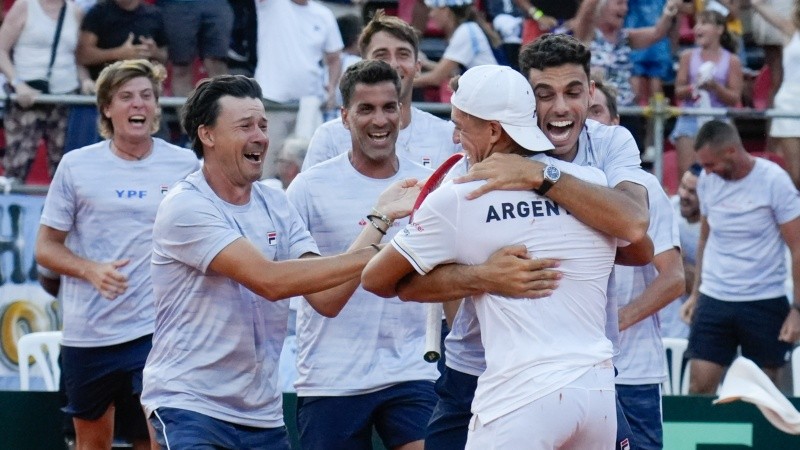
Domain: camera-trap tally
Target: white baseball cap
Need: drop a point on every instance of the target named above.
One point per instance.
(501, 93)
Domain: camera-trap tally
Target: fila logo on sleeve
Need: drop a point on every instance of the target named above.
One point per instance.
(272, 238)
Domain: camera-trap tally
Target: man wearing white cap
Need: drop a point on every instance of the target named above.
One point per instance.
(558, 70)
(548, 377)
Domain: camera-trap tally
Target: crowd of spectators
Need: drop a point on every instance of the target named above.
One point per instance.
(635, 49)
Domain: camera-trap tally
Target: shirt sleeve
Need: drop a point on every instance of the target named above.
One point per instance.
(321, 148)
(333, 42)
(92, 20)
(60, 205)
(192, 230)
(623, 160)
(663, 228)
(461, 48)
(785, 198)
(430, 240)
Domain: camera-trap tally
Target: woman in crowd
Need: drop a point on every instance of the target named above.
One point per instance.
(709, 75)
(43, 35)
(470, 42)
(786, 131)
(599, 24)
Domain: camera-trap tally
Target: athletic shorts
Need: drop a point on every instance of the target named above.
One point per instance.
(197, 28)
(653, 65)
(624, 433)
(399, 414)
(447, 429)
(719, 328)
(96, 377)
(641, 406)
(183, 429)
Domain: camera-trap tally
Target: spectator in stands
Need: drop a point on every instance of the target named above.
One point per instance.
(470, 42)
(43, 35)
(424, 138)
(599, 23)
(350, 28)
(786, 131)
(750, 212)
(104, 199)
(293, 37)
(652, 65)
(509, 18)
(772, 39)
(687, 209)
(114, 30)
(242, 51)
(290, 159)
(196, 28)
(709, 75)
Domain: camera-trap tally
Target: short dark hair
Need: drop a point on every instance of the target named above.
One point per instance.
(716, 134)
(611, 96)
(349, 27)
(392, 25)
(366, 72)
(554, 50)
(202, 106)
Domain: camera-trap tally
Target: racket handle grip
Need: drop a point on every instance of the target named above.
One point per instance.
(433, 332)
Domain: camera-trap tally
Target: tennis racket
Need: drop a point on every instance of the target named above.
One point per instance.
(433, 313)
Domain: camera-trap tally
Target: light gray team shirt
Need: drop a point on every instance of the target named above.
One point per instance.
(373, 343)
(672, 326)
(217, 344)
(608, 148)
(641, 351)
(427, 141)
(107, 206)
(744, 254)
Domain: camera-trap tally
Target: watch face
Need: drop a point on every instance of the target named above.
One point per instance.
(552, 173)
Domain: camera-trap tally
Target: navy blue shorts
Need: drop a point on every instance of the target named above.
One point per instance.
(96, 377)
(447, 429)
(399, 414)
(641, 406)
(720, 327)
(178, 429)
(624, 433)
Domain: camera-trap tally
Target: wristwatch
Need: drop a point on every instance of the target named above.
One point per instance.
(551, 176)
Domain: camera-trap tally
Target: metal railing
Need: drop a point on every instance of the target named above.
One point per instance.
(659, 111)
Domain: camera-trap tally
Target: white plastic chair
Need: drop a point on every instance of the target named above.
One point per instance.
(796, 372)
(36, 344)
(677, 377)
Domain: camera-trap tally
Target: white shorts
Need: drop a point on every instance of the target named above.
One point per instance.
(581, 416)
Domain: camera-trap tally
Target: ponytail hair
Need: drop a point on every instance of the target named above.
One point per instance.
(726, 40)
(468, 13)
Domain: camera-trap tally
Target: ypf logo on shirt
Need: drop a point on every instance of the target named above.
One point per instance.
(272, 238)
